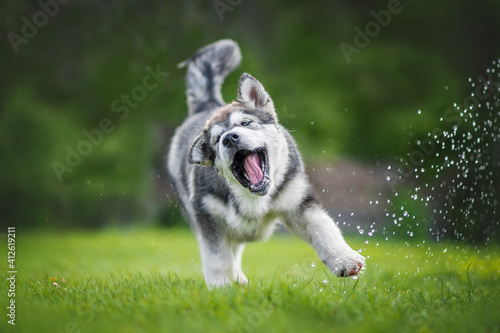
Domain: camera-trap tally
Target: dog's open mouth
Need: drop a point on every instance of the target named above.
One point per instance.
(251, 169)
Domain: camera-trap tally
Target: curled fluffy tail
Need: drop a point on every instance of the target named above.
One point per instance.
(206, 71)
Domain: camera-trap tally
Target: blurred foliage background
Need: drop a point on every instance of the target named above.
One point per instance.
(72, 68)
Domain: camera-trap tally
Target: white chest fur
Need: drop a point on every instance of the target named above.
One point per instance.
(254, 217)
(250, 220)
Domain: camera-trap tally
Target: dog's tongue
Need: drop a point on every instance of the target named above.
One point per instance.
(252, 167)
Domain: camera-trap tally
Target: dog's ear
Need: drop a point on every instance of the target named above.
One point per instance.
(252, 93)
(200, 152)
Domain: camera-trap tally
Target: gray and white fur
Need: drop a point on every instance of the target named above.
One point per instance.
(237, 173)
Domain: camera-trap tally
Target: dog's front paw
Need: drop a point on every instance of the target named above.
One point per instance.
(223, 280)
(218, 280)
(344, 264)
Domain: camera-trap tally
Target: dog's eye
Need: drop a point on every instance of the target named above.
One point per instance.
(246, 123)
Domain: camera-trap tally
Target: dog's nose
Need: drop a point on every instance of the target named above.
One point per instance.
(230, 140)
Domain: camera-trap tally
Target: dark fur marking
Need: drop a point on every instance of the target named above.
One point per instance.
(294, 166)
(309, 201)
(207, 72)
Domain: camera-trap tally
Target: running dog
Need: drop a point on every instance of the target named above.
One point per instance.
(237, 173)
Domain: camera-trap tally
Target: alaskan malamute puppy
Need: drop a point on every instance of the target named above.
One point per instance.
(237, 173)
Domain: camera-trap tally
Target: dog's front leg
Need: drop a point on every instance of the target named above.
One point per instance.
(217, 259)
(316, 227)
(221, 262)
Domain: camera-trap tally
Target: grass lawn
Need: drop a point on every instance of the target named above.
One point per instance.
(151, 281)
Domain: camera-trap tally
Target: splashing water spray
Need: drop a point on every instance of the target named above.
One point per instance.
(446, 190)
(454, 172)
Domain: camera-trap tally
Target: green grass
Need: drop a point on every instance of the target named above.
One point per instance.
(151, 281)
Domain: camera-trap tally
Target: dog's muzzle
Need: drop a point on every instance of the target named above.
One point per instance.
(251, 169)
